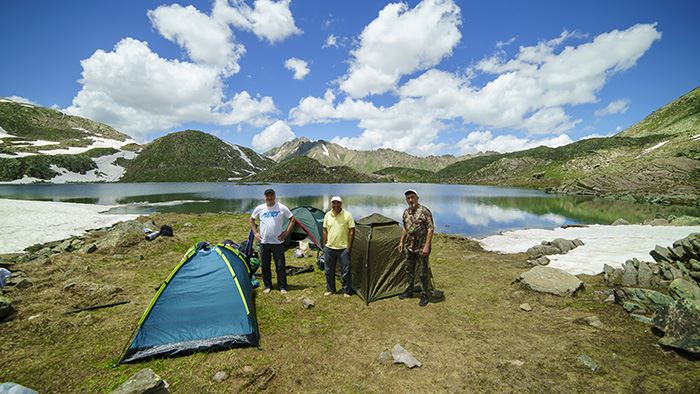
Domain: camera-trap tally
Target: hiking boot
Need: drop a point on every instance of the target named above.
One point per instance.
(405, 294)
(283, 291)
(267, 290)
(423, 299)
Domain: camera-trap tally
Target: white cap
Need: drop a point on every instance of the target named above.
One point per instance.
(409, 191)
(336, 198)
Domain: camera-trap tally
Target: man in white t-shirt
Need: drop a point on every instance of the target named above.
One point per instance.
(270, 236)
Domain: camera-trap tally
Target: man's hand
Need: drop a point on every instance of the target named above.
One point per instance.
(400, 247)
(257, 237)
(426, 250)
(282, 236)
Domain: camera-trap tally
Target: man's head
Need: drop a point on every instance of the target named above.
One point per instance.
(336, 204)
(269, 197)
(411, 198)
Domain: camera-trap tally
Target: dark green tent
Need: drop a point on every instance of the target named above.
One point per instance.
(309, 225)
(377, 267)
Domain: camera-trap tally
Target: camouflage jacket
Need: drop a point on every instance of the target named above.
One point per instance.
(417, 224)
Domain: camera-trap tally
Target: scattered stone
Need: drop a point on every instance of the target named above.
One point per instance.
(661, 254)
(550, 280)
(541, 250)
(612, 275)
(542, 260)
(629, 275)
(594, 321)
(385, 357)
(32, 317)
(248, 370)
(94, 291)
(24, 283)
(588, 362)
(642, 319)
(610, 299)
(122, 234)
(220, 376)
(641, 300)
(644, 275)
(144, 381)
(564, 245)
(620, 222)
(659, 222)
(681, 288)
(526, 307)
(516, 363)
(686, 221)
(680, 323)
(401, 355)
(6, 308)
(577, 242)
(188, 224)
(89, 248)
(308, 303)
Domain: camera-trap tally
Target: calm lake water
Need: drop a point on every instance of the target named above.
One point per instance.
(476, 211)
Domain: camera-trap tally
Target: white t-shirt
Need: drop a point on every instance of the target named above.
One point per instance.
(271, 219)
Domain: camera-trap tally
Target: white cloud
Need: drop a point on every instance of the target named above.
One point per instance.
(482, 141)
(401, 41)
(273, 135)
(267, 19)
(331, 41)
(138, 92)
(299, 67)
(614, 107)
(22, 100)
(206, 40)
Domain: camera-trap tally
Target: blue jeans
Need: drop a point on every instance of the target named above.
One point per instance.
(267, 252)
(331, 256)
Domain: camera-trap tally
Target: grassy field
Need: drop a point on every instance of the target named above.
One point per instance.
(468, 343)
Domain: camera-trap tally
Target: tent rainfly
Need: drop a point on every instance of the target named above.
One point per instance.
(309, 224)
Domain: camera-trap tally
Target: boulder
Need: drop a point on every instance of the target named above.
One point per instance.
(542, 260)
(550, 280)
(680, 323)
(620, 222)
(681, 288)
(661, 254)
(122, 234)
(686, 220)
(644, 274)
(220, 376)
(659, 222)
(401, 355)
(612, 275)
(541, 250)
(577, 242)
(6, 308)
(564, 245)
(144, 381)
(14, 388)
(641, 300)
(629, 275)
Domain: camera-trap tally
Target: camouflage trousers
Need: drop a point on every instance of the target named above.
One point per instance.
(416, 263)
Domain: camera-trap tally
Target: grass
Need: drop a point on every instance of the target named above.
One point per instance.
(465, 343)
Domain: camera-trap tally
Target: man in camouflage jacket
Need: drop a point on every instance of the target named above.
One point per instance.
(416, 241)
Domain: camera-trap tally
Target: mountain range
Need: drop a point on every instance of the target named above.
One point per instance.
(657, 159)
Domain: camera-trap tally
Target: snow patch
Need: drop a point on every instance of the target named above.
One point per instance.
(244, 156)
(611, 245)
(58, 220)
(5, 134)
(36, 143)
(106, 171)
(16, 155)
(325, 150)
(657, 146)
(98, 142)
(693, 138)
(165, 203)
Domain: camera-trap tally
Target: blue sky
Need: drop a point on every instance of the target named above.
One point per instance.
(423, 77)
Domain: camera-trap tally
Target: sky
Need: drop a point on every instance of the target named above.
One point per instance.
(423, 77)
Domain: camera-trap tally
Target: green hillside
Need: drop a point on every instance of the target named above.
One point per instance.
(189, 156)
(680, 116)
(403, 174)
(304, 169)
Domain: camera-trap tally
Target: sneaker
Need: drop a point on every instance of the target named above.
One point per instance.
(405, 294)
(346, 295)
(423, 300)
(267, 290)
(327, 293)
(283, 291)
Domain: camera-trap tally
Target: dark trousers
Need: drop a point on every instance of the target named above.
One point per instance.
(331, 256)
(276, 251)
(416, 261)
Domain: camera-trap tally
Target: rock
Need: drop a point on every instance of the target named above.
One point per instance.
(588, 362)
(6, 308)
(308, 302)
(401, 355)
(144, 381)
(188, 224)
(526, 307)
(593, 321)
(661, 254)
(610, 299)
(516, 363)
(14, 388)
(248, 370)
(644, 275)
(541, 250)
(681, 288)
(24, 283)
(613, 275)
(564, 245)
(577, 242)
(385, 357)
(89, 248)
(550, 280)
(642, 319)
(122, 234)
(220, 376)
(542, 260)
(641, 300)
(659, 222)
(680, 323)
(686, 221)
(629, 275)
(95, 292)
(677, 253)
(620, 222)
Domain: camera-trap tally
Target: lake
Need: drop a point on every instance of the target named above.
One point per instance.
(476, 211)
